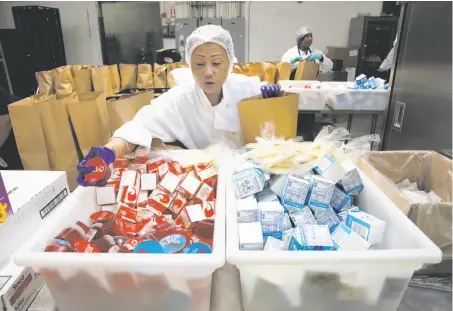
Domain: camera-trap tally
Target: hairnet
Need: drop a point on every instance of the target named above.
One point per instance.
(302, 32)
(210, 33)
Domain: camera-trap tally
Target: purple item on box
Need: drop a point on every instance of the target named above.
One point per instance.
(5, 206)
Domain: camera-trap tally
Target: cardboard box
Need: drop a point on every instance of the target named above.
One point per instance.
(431, 171)
(33, 196)
(18, 286)
(307, 70)
(349, 55)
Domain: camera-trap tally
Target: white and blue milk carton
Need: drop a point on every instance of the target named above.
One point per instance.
(340, 200)
(250, 236)
(247, 210)
(287, 222)
(287, 236)
(370, 228)
(352, 183)
(342, 215)
(266, 195)
(273, 244)
(277, 184)
(320, 195)
(344, 239)
(248, 181)
(301, 216)
(311, 238)
(328, 218)
(272, 217)
(330, 169)
(295, 192)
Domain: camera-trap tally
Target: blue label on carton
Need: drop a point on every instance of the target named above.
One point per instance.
(149, 246)
(173, 243)
(197, 248)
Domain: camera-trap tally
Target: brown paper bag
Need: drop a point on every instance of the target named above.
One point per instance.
(45, 82)
(61, 146)
(255, 113)
(237, 68)
(171, 67)
(144, 76)
(27, 127)
(124, 109)
(160, 76)
(128, 75)
(82, 78)
(269, 72)
(90, 120)
(115, 78)
(102, 80)
(307, 71)
(44, 135)
(283, 71)
(63, 81)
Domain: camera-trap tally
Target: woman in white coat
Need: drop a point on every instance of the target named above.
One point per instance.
(197, 114)
(303, 51)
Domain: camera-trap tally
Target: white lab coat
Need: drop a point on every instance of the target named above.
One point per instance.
(325, 66)
(185, 114)
(388, 61)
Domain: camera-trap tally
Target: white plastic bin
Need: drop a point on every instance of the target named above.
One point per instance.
(309, 99)
(123, 282)
(333, 280)
(340, 97)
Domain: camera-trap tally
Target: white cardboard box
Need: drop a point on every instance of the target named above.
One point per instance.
(18, 286)
(33, 196)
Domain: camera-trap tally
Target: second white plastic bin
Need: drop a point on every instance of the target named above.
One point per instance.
(333, 280)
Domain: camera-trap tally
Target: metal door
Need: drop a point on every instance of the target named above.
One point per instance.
(420, 112)
(183, 28)
(236, 27)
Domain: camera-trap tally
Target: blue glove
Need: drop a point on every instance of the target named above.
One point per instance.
(102, 152)
(296, 59)
(314, 56)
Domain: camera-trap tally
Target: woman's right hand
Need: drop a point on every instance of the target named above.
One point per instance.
(102, 152)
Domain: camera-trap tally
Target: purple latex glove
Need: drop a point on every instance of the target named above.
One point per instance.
(102, 152)
(265, 91)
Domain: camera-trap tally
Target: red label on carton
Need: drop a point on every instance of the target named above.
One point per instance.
(131, 243)
(121, 163)
(189, 186)
(178, 203)
(128, 195)
(83, 246)
(102, 217)
(208, 176)
(153, 164)
(140, 164)
(162, 170)
(175, 168)
(209, 209)
(99, 172)
(159, 201)
(206, 193)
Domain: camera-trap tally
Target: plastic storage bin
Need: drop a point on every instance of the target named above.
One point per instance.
(309, 99)
(340, 97)
(333, 280)
(123, 282)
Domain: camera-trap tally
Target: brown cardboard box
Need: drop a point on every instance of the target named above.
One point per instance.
(255, 112)
(349, 55)
(431, 171)
(307, 71)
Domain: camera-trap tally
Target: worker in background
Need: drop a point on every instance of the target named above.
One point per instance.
(302, 51)
(196, 114)
(388, 61)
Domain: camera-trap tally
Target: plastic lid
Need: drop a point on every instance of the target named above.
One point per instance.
(150, 247)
